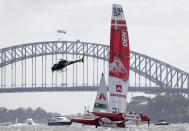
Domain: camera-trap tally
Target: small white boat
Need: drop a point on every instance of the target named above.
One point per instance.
(59, 120)
(162, 122)
(30, 122)
(5, 123)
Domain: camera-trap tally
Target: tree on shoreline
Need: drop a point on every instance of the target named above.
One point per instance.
(39, 115)
(170, 107)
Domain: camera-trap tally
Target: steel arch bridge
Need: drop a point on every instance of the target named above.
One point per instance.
(157, 75)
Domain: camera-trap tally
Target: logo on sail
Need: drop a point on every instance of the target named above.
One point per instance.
(124, 38)
(102, 97)
(118, 69)
(117, 66)
(117, 11)
(118, 88)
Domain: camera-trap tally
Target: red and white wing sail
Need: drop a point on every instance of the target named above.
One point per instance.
(119, 61)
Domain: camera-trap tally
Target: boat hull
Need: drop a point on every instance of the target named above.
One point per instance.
(161, 124)
(59, 123)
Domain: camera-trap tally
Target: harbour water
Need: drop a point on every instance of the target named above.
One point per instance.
(171, 127)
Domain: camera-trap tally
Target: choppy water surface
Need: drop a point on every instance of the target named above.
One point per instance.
(172, 127)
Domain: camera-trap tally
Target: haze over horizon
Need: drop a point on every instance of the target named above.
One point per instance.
(156, 28)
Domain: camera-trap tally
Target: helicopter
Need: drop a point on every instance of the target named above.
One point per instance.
(64, 63)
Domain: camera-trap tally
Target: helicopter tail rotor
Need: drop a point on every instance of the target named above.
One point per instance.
(83, 58)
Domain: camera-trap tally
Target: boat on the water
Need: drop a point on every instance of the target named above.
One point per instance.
(59, 121)
(5, 124)
(162, 122)
(29, 121)
(111, 111)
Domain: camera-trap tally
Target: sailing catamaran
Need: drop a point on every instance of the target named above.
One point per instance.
(114, 115)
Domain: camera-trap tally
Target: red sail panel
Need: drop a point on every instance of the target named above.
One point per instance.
(119, 50)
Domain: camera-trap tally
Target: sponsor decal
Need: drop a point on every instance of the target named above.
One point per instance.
(117, 66)
(102, 96)
(117, 69)
(124, 38)
(117, 11)
(101, 106)
(118, 95)
(118, 88)
(131, 117)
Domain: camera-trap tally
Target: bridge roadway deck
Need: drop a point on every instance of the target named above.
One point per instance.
(150, 90)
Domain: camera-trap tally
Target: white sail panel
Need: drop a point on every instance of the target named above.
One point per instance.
(101, 102)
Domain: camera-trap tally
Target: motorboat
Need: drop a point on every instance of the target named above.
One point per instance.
(162, 122)
(5, 124)
(59, 120)
(29, 121)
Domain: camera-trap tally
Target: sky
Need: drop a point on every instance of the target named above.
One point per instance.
(157, 28)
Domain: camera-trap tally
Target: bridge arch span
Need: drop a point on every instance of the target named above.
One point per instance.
(17, 53)
(164, 75)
